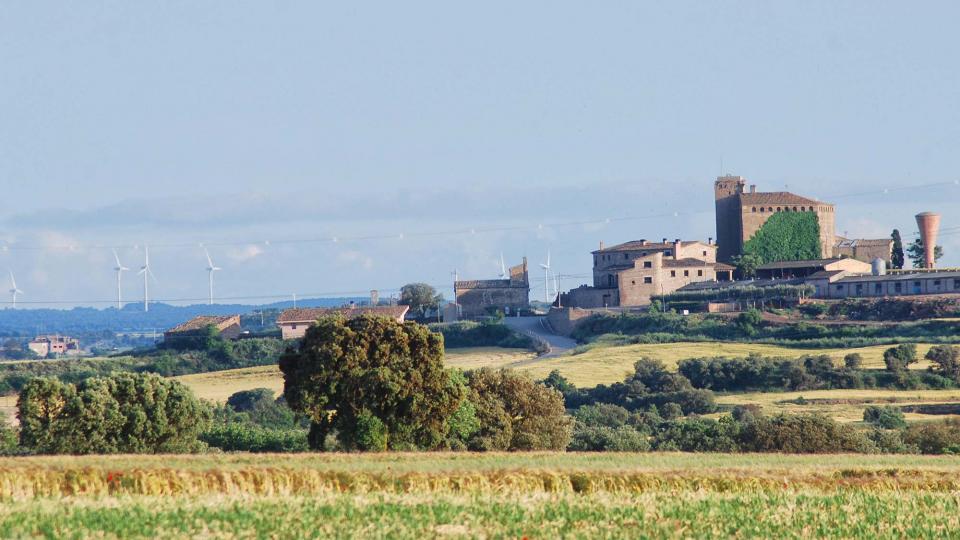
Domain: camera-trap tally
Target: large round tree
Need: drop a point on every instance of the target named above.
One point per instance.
(373, 382)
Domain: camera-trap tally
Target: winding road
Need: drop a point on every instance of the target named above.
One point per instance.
(538, 328)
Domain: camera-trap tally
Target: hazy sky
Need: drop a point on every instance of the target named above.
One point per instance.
(238, 124)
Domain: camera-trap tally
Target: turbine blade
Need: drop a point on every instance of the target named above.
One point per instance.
(117, 258)
(209, 260)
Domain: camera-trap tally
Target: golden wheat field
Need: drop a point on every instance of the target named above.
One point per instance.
(464, 495)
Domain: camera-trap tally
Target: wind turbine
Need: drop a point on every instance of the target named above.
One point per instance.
(503, 267)
(210, 270)
(147, 273)
(120, 269)
(546, 279)
(14, 291)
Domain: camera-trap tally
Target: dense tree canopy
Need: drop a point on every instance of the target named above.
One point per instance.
(517, 413)
(122, 413)
(372, 382)
(917, 256)
(896, 256)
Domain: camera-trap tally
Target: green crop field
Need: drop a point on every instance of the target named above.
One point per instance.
(463, 495)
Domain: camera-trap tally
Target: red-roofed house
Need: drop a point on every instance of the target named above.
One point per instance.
(294, 322)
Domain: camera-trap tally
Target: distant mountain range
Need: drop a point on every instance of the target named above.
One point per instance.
(132, 318)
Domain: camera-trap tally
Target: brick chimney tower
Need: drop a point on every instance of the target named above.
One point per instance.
(929, 224)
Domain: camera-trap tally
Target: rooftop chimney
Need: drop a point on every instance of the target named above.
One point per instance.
(753, 188)
(643, 241)
(601, 245)
(710, 241)
(676, 249)
(929, 224)
(664, 240)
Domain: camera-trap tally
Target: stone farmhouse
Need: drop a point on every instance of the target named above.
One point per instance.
(628, 274)
(478, 298)
(59, 345)
(294, 322)
(227, 325)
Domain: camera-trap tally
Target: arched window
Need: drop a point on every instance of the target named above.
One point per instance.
(762, 209)
(778, 209)
(754, 208)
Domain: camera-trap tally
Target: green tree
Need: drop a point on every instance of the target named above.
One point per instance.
(122, 413)
(420, 297)
(371, 367)
(898, 358)
(517, 413)
(853, 361)
(896, 256)
(916, 254)
(747, 265)
(946, 361)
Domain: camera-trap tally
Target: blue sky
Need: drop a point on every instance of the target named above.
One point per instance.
(246, 125)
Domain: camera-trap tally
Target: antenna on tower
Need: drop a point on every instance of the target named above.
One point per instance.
(546, 278)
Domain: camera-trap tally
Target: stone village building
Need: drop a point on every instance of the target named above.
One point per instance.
(480, 298)
(294, 322)
(628, 274)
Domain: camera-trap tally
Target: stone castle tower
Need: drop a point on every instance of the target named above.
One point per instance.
(741, 213)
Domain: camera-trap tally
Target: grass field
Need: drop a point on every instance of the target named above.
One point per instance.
(842, 405)
(462, 495)
(605, 365)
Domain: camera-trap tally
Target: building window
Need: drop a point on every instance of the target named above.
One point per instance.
(877, 288)
(700, 272)
(936, 283)
(293, 327)
(668, 253)
(626, 256)
(898, 287)
(770, 209)
(647, 264)
(704, 253)
(839, 287)
(686, 273)
(859, 289)
(762, 209)
(673, 273)
(956, 284)
(633, 282)
(648, 279)
(610, 281)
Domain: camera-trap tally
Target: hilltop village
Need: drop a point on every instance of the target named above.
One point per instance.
(751, 226)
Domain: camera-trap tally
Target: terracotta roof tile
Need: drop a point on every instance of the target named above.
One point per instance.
(635, 245)
(778, 197)
(203, 321)
(309, 315)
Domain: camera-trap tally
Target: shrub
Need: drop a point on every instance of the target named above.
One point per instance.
(698, 435)
(237, 437)
(607, 439)
(602, 414)
(886, 417)
(814, 309)
(802, 434)
(935, 437)
(517, 413)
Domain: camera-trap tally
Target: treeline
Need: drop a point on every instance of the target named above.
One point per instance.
(491, 333)
(654, 409)
(219, 355)
(665, 327)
